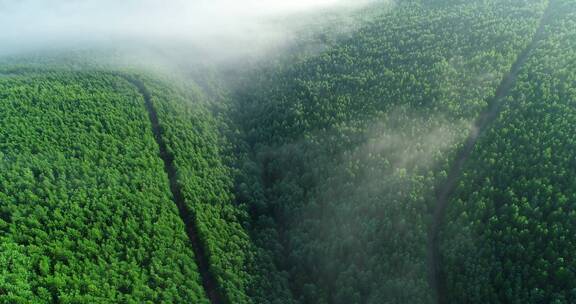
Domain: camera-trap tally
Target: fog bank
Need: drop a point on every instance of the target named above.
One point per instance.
(215, 27)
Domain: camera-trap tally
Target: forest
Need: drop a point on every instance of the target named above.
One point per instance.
(423, 154)
(85, 214)
(511, 222)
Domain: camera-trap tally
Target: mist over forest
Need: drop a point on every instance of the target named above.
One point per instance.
(288, 152)
(221, 28)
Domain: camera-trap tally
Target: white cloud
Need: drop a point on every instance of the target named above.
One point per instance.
(49, 23)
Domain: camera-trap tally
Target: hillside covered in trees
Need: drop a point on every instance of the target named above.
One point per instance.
(424, 152)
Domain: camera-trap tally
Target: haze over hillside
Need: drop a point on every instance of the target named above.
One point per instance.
(288, 152)
(226, 27)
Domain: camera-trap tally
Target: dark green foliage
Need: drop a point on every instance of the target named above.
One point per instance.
(351, 142)
(511, 227)
(85, 211)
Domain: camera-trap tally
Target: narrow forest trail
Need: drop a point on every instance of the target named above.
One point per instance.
(208, 280)
(482, 123)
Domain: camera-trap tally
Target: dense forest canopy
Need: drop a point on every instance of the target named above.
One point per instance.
(86, 216)
(399, 152)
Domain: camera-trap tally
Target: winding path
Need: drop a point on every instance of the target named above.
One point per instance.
(208, 280)
(480, 126)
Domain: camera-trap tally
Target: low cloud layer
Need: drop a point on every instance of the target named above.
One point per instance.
(211, 25)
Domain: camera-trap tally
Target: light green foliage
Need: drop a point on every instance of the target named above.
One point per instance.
(85, 211)
(192, 138)
(15, 269)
